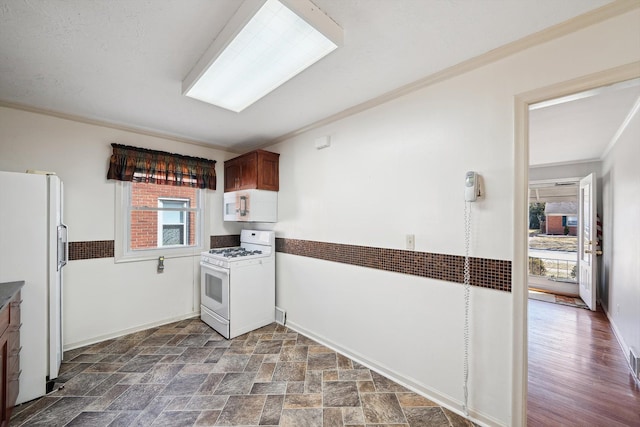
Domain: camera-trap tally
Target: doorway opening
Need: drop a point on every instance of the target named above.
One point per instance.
(569, 136)
(524, 160)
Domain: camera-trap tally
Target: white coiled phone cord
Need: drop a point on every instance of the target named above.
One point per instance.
(467, 290)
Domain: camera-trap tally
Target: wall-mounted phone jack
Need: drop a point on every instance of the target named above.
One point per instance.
(410, 242)
(160, 264)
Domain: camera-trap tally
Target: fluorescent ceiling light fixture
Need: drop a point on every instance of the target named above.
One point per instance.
(265, 43)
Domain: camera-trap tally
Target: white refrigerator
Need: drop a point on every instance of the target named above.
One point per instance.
(34, 248)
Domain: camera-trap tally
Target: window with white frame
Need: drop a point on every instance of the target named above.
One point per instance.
(158, 220)
(159, 202)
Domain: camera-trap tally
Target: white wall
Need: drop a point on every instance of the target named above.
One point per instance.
(101, 298)
(620, 287)
(398, 169)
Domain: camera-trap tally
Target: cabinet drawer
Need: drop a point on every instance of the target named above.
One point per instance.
(13, 343)
(4, 318)
(13, 366)
(14, 310)
(13, 388)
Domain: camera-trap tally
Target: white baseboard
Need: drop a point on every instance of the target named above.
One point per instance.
(95, 340)
(621, 342)
(433, 395)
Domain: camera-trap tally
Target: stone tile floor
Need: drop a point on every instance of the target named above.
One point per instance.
(185, 374)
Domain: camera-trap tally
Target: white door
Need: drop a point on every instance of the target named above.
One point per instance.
(587, 240)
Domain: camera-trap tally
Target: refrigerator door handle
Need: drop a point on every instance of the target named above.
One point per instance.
(63, 246)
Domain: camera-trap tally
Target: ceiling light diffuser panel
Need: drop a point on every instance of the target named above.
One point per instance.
(262, 46)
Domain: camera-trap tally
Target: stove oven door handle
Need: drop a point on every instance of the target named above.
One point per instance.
(214, 268)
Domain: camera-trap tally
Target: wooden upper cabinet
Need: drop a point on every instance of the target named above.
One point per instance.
(255, 170)
(231, 175)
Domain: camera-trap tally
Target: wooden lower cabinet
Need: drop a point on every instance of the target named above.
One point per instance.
(9, 358)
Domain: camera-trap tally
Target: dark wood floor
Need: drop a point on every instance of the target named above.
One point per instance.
(578, 374)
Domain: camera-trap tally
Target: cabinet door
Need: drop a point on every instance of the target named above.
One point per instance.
(4, 412)
(268, 171)
(13, 354)
(231, 175)
(248, 171)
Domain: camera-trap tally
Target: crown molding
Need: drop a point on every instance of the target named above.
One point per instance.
(110, 125)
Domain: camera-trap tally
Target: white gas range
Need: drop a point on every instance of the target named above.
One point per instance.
(237, 285)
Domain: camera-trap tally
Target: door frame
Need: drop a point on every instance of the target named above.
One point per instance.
(519, 271)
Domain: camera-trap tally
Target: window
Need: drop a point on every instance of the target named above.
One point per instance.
(159, 209)
(173, 228)
(158, 220)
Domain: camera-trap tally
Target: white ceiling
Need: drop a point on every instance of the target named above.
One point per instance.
(583, 126)
(123, 61)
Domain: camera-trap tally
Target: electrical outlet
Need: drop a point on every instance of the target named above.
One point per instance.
(411, 242)
(617, 308)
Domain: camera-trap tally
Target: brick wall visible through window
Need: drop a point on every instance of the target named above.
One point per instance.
(556, 225)
(144, 223)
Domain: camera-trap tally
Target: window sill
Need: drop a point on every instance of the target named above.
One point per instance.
(154, 254)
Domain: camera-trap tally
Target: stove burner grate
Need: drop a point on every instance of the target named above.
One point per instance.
(234, 252)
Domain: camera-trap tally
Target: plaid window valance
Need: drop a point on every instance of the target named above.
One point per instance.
(159, 167)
